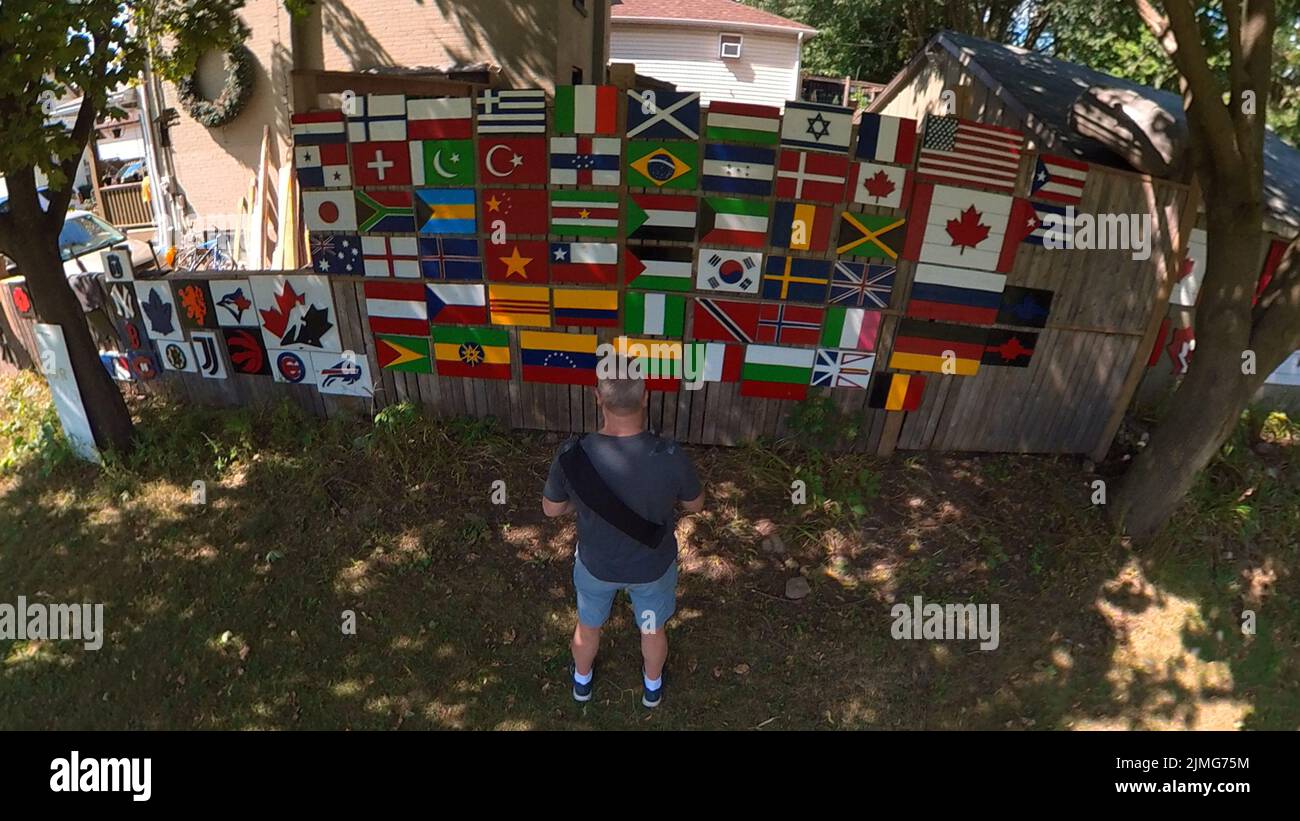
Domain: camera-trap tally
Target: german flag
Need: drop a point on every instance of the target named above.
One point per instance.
(930, 346)
(482, 353)
(896, 391)
(519, 305)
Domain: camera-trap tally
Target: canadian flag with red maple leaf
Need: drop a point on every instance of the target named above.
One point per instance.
(961, 227)
(884, 186)
(296, 313)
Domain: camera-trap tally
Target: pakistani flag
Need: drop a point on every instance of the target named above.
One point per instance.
(654, 314)
(442, 162)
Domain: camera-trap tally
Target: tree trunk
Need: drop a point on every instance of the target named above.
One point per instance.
(38, 259)
(1209, 402)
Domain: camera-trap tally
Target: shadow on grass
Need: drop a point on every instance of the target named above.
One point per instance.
(229, 614)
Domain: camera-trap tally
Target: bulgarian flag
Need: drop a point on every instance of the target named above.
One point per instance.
(774, 372)
(586, 110)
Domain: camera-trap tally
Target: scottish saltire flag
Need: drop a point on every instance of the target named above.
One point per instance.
(585, 160)
(662, 114)
(377, 118)
(842, 369)
(739, 169)
(512, 111)
(882, 138)
(450, 258)
(862, 285)
(446, 210)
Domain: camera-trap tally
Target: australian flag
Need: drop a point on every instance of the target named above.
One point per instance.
(336, 254)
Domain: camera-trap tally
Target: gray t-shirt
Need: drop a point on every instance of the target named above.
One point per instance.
(650, 475)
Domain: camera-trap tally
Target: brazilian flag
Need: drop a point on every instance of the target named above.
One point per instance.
(660, 165)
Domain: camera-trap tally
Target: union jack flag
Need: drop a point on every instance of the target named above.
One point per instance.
(862, 285)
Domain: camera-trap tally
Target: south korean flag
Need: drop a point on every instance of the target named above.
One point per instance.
(736, 272)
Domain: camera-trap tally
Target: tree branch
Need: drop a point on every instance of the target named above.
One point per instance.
(80, 137)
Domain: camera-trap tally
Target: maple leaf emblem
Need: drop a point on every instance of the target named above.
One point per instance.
(879, 185)
(276, 319)
(159, 312)
(968, 231)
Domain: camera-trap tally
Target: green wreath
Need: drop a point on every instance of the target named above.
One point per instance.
(234, 94)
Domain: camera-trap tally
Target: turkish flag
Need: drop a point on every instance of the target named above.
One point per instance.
(513, 160)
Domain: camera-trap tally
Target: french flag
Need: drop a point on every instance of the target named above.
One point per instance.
(882, 138)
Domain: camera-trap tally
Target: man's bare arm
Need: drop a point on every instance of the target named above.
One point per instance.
(553, 509)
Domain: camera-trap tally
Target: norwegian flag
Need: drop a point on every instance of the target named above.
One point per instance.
(1058, 179)
(963, 152)
(807, 175)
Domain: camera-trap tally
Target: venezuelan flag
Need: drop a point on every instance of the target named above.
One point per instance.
(558, 358)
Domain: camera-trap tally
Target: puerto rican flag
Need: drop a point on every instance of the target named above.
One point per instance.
(1058, 179)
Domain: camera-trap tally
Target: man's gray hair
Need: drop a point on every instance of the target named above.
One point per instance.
(621, 396)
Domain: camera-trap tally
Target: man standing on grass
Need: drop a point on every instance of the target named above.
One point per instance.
(624, 483)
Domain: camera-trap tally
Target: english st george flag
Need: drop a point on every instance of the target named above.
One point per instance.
(963, 152)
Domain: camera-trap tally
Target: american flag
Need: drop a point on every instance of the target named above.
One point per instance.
(961, 152)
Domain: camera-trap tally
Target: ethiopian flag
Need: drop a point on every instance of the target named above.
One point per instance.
(409, 354)
(473, 352)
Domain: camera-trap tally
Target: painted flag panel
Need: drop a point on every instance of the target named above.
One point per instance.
(664, 217)
(725, 320)
(158, 304)
(331, 211)
(654, 314)
(1058, 179)
(512, 212)
(318, 128)
(720, 362)
(772, 372)
(955, 294)
(520, 261)
(805, 175)
(743, 123)
(842, 369)
(660, 268)
(883, 186)
(796, 279)
(476, 353)
(585, 307)
(335, 254)
(662, 114)
(397, 308)
(861, 284)
(896, 392)
(964, 152)
(882, 138)
(584, 213)
(247, 352)
(586, 109)
(853, 328)
(1011, 349)
(381, 163)
(662, 165)
(443, 118)
(232, 301)
(817, 126)
(390, 212)
(1188, 286)
(446, 211)
(1027, 307)
(342, 375)
(450, 258)
(720, 270)
(513, 160)
(1042, 224)
(520, 305)
(558, 358)
(585, 160)
(391, 257)
(322, 166)
(377, 117)
(585, 262)
(935, 347)
(407, 354)
(661, 363)
(732, 221)
(738, 169)
(801, 226)
(870, 235)
(789, 324)
(511, 111)
(961, 227)
(456, 304)
(442, 162)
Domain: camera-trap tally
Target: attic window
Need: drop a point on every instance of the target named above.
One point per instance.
(729, 46)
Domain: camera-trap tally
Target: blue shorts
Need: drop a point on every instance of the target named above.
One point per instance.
(653, 603)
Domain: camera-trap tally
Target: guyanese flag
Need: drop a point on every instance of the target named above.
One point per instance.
(482, 353)
(938, 347)
(409, 354)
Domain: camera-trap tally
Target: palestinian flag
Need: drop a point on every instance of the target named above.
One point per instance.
(408, 354)
(473, 352)
(586, 110)
(774, 372)
(661, 217)
(732, 221)
(654, 314)
(937, 347)
(854, 328)
(896, 392)
(659, 268)
(584, 213)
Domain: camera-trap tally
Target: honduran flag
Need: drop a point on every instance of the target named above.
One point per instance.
(882, 138)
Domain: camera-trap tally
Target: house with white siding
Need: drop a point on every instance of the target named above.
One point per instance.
(724, 50)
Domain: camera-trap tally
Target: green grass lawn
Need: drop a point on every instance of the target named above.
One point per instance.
(228, 615)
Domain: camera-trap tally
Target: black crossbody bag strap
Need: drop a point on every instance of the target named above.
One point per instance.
(593, 491)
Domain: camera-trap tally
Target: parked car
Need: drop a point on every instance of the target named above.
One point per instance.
(84, 235)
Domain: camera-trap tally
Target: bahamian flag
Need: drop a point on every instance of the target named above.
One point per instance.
(446, 211)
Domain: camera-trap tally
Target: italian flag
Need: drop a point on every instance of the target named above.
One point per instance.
(654, 314)
(852, 328)
(586, 109)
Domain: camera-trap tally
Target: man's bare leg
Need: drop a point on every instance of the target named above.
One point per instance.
(586, 641)
(654, 650)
